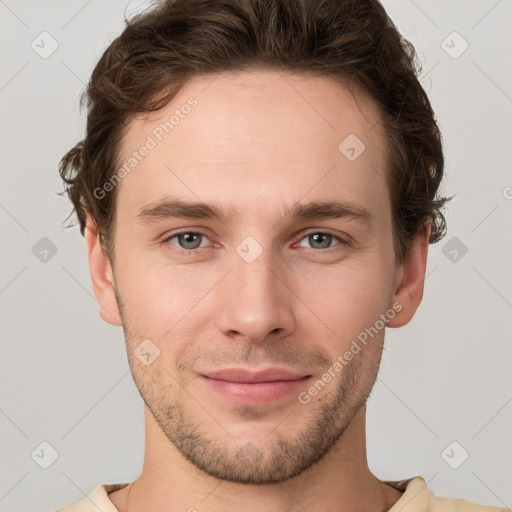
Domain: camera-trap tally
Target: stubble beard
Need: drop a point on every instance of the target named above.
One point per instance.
(240, 460)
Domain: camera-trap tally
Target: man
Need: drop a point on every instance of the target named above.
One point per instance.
(258, 187)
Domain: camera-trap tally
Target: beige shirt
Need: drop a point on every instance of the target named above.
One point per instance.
(416, 498)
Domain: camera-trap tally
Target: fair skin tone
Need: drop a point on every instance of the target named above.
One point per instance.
(253, 145)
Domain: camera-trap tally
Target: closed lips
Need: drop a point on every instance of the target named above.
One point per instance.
(244, 376)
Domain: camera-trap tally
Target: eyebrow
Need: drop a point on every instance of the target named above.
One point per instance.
(169, 208)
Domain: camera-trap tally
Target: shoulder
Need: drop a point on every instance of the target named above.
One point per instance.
(96, 500)
(460, 505)
(417, 497)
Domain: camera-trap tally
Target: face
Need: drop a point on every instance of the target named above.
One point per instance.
(234, 312)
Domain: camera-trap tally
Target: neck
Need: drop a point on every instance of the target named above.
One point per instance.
(341, 481)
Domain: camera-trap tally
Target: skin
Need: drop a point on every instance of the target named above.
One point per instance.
(258, 142)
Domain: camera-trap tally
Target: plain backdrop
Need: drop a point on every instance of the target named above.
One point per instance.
(443, 395)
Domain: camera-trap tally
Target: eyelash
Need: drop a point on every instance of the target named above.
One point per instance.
(192, 252)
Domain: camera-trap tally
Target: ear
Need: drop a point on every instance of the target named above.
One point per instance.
(410, 278)
(101, 275)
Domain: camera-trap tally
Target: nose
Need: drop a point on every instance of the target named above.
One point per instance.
(256, 301)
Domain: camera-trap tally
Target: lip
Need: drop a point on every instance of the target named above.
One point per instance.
(254, 387)
(243, 375)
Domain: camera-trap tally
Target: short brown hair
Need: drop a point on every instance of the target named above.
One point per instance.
(354, 42)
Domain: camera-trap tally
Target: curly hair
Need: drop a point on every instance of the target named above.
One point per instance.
(353, 42)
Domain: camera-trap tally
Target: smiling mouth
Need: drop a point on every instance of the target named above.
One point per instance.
(255, 388)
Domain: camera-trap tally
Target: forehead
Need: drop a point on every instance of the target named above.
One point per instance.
(258, 134)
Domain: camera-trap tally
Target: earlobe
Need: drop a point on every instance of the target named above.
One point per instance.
(101, 275)
(410, 280)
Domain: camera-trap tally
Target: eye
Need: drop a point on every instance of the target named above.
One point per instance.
(190, 241)
(187, 240)
(322, 240)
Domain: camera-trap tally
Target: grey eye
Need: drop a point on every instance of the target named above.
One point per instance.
(188, 239)
(320, 240)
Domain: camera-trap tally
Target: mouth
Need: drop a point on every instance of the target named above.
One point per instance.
(254, 387)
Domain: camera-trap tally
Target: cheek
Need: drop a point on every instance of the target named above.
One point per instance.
(160, 297)
(347, 298)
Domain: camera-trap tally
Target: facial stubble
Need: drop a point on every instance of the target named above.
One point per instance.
(188, 424)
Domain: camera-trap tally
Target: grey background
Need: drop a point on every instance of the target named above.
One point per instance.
(64, 375)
